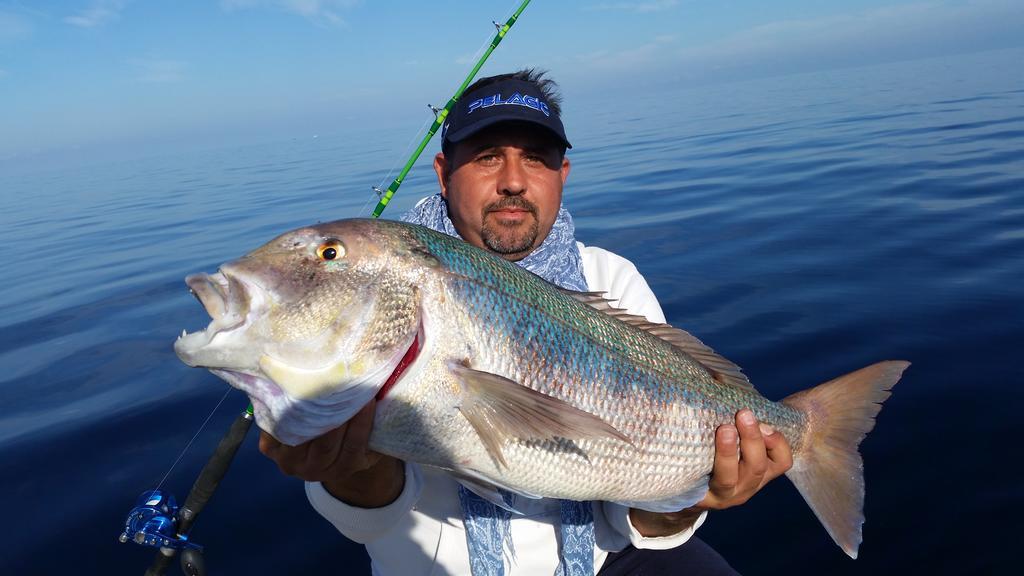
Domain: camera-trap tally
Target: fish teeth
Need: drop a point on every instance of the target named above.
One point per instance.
(183, 333)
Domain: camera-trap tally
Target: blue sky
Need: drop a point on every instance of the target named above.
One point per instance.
(80, 74)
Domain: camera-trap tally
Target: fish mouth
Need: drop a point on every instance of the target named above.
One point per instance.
(227, 300)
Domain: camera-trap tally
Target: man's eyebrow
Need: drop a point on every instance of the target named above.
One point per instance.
(539, 149)
(483, 147)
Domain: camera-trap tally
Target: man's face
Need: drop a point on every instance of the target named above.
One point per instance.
(504, 187)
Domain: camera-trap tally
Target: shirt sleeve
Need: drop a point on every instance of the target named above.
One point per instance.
(617, 517)
(623, 284)
(620, 282)
(364, 525)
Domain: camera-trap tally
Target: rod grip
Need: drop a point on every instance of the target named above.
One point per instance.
(213, 472)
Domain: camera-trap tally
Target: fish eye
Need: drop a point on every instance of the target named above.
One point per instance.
(331, 250)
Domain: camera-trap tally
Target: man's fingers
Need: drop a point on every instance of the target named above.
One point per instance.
(725, 471)
(753, 458)
(747, 456)
(353, 449)
(268, 444)
(324, 450)
(341, 451)
(290, 459)
(780, 455)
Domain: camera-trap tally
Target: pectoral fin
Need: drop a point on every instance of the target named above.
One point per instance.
(500, 409)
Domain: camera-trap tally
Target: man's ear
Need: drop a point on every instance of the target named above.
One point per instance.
(443, 170)
(564, 170)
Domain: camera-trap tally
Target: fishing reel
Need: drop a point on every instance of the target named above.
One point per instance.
(154, 522)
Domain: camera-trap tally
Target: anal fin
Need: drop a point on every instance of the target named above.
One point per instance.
(673, 503)
(488, 492)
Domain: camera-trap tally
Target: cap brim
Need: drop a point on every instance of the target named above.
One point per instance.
(467, 131)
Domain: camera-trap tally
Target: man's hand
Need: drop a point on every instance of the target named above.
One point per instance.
(736, 474)
(341, 461)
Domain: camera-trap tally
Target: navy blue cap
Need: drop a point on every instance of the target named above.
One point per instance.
(508, 100)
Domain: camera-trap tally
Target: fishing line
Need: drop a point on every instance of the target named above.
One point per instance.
(194, 436)
(378, 189)
(408, 147)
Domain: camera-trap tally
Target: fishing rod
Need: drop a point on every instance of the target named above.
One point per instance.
(441, 114)
(156, 520)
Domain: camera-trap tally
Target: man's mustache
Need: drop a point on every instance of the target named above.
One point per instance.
(511, 202)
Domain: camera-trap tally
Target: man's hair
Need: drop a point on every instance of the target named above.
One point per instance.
(547, 87)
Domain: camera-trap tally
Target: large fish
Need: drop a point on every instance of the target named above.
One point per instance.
(505, 380)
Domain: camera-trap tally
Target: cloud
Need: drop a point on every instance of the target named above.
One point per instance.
(641, 7)
(158, 70)
(317, 11)
(630, 58)
(882, 34)
(901, 32)
(99, 13)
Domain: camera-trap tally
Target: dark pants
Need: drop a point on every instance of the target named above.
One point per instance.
(695, 558)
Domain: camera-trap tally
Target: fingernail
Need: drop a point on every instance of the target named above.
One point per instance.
(747, 417)
(766, 430)
(728, 433)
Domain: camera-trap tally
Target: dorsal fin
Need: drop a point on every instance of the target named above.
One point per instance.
(720, 368)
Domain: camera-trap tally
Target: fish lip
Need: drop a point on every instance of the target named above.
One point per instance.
(224, 296)
(211, 291)
(252, 381)
(227, 299)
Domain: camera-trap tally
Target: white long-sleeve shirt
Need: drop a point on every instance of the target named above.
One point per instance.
(421, 532)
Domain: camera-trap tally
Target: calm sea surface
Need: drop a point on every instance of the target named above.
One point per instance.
(803, 226)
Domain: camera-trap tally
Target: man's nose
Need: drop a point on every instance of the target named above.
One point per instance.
(512, 181)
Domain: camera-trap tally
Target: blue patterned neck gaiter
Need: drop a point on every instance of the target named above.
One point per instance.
(556, 260)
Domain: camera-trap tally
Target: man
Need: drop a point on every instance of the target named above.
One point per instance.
(501, 173)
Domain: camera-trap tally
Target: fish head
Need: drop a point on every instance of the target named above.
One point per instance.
(310, 325)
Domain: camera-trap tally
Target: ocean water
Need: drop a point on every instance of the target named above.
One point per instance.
(804, 226)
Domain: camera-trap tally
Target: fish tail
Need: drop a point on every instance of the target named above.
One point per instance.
(827, 468)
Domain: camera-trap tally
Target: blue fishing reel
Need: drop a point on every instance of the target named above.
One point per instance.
(154, 521)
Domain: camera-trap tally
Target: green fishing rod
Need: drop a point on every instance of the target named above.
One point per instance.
(157, 520)
(442, 114)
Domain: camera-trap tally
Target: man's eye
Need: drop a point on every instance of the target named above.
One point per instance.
(487, 158)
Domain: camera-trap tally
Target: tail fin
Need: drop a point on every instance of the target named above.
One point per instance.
(828, 470)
